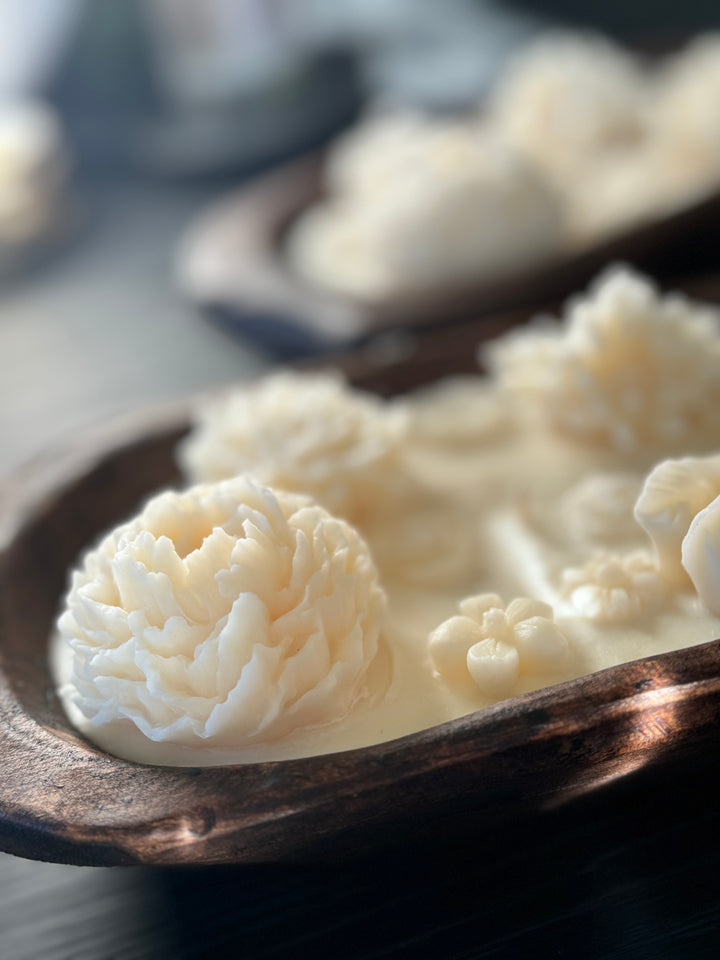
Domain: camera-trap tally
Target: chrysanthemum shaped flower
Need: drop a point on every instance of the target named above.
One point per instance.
(494, 644)
(625, 188)
(701, 555)
(615, 588)
(628, 369)
(223, 616)
(308, 433)
(423, 540)
(457, 411)
(380, 149)
(674, 492)
(684, 115)
(599, 508)
(568, 97)
(461, 207)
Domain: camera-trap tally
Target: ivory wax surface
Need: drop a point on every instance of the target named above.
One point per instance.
(525, 528)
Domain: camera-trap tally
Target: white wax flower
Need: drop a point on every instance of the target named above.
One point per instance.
(701, 555)
(223, 616)
(30, 138)
(625, 188)
(612, 587)
(567, 97)
(684, 117)
(33, 168)
(309, 433)
(422, 540)
(457, 411)
(675, 491)
(599, 508)
(333, 245)
(462, 209)
(383, 145)
(627, 368)
(494, 644)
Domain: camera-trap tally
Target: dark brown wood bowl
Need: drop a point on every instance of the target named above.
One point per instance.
(62, 799)
(232, 262)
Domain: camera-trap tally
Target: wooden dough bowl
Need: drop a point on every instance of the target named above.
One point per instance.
(62, 799)
(233, 263)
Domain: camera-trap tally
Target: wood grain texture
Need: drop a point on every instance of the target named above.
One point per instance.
(62, 799)
(233, 264)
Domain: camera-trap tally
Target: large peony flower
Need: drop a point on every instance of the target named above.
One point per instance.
(223, 616)
(308, 433)
(457, 207)
(684, 114)
(624, 188)
(627, 369)
(568, 97)
(382, 147)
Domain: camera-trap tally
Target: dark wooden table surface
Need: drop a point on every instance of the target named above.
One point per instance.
(631, 870)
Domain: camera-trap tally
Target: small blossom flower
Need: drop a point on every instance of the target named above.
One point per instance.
(494, 644)
(615, 588)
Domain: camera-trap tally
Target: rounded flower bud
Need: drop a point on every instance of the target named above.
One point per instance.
(613, 587)
(224, 616)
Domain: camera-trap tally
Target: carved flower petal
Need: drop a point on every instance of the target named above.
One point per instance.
(701, 555)
(673, 493)
(522, 608)
(542, 646)
(494, 666)
(475, 607)
(449, 644)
